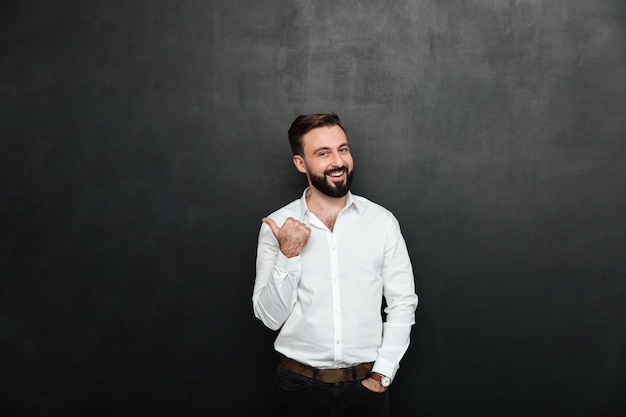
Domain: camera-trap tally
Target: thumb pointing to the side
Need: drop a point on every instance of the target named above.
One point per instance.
(272, 224)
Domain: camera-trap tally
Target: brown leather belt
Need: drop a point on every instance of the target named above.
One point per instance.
(329, 376)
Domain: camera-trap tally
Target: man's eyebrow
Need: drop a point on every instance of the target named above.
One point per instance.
(326, 148)
(323, 148)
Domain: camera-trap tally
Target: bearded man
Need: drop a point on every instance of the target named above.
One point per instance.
(329, 264)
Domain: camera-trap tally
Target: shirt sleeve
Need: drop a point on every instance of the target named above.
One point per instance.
(401, 300)
(276, 283)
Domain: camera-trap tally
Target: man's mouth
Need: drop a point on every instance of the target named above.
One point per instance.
(336, 173)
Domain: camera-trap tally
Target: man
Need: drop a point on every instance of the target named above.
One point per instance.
(324, 264)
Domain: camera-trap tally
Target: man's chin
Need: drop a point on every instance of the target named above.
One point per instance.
(337, 191)
(334, 189)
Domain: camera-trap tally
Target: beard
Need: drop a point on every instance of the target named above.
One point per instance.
(335, 190)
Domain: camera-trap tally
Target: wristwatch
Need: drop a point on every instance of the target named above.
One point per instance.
(383, 380)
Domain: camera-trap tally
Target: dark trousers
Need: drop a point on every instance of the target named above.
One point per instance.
(298, 396)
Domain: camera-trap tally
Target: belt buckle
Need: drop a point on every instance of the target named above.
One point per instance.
(331, 376)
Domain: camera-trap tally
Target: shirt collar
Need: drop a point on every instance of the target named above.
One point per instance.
(350, 201)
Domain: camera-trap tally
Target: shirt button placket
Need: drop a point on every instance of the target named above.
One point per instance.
(336, 298)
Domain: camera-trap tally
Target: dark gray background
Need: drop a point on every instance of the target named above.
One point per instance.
(142, 142)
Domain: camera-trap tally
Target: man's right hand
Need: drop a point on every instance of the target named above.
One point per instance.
(292, 236)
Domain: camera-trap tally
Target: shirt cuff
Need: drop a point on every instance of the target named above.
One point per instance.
(385, 367)
(287, 264)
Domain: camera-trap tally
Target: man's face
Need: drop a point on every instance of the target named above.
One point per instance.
(327, 161)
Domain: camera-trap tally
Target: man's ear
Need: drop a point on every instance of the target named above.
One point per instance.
(299, 163)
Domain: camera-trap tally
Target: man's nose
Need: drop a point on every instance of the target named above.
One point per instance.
(337, 160)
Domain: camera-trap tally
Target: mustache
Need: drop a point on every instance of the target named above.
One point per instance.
(334, 170)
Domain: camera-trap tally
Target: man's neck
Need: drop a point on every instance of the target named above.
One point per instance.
(319, 202)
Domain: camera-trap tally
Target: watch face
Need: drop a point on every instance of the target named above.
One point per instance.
(385, 381)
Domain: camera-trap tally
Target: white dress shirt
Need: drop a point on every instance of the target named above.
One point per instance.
(327, 301)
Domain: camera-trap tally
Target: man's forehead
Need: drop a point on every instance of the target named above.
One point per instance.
(329, 136)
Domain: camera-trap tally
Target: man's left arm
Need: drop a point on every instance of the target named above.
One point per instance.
(401, 300)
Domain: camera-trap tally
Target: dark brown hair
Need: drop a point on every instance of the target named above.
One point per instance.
(304, 123)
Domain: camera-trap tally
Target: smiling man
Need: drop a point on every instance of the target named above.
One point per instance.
(325, 263)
